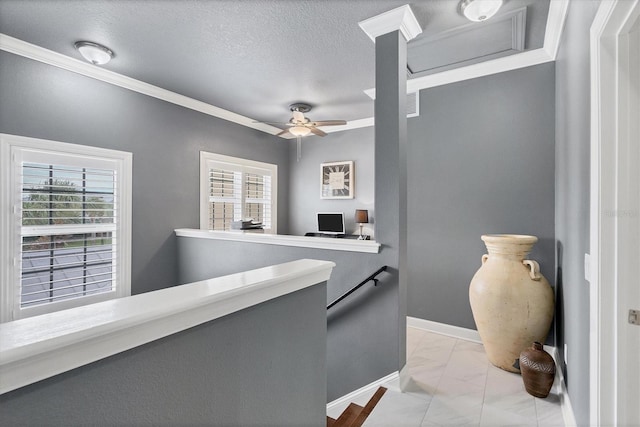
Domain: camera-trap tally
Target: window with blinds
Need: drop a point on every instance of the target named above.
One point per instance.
(235, 189)
(225, 189)
(69, 227)
(257, 202)
(68, 232)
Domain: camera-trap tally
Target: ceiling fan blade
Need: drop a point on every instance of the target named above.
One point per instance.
(329, 123)
(316, 131)
(284, 132)
(272, 123)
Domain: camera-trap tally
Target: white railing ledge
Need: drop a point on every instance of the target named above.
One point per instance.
(344, 244)
(39, 347)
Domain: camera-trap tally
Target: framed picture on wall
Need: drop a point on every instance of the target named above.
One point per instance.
(337, 180)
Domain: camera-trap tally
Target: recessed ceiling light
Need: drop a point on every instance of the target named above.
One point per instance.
(94, 52)
(479, 10)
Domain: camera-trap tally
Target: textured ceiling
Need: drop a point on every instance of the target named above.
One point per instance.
(251, 57)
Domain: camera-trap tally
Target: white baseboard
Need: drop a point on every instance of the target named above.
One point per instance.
(561, 389)
(472, 335)
(348, 398)
(443, 329)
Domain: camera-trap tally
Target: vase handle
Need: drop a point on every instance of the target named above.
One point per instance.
(534, 269)
(485, 257)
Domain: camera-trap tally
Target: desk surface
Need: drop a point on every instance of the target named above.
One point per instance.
(333, 236)
(351, 244)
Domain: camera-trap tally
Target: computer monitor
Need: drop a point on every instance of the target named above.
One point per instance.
(331, 222)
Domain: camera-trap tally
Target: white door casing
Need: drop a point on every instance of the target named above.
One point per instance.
(615, 214)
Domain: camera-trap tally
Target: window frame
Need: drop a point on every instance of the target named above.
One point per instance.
(12, 150)
(208, 160)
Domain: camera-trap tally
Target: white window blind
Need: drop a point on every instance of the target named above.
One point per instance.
(68, 232)
(66, 223)
(235, 189)
(225, 191)
(257, 201)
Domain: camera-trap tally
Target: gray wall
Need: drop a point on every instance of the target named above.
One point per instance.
(46, 102)
(362, 332)
(572, 200)
(481, 161)
(304, 186)
(262, 366)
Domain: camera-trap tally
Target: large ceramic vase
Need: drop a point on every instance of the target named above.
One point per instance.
(512, 303)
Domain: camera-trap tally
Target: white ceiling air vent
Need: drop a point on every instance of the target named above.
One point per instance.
(413, 104)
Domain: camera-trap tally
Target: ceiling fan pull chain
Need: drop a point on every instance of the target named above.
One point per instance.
(298, 148)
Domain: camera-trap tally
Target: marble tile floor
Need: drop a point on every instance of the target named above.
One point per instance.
(453, 384)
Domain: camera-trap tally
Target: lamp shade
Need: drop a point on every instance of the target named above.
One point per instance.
(362, 216)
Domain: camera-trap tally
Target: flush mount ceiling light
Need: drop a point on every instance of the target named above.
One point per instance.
(94, 52)
(479, 10)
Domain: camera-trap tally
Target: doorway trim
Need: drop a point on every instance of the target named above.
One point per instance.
(613, 20)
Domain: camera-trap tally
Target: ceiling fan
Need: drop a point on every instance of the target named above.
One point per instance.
(299, 125)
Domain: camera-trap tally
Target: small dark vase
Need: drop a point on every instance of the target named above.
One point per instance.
(538, 370)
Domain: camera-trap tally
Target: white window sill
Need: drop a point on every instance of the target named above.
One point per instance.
(351, 245)
(39, 347)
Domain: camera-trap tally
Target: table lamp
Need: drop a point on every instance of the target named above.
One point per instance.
(362, 217)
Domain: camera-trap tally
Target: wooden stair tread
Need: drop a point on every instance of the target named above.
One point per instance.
(348, 416)
(355, 415)
(366, 411)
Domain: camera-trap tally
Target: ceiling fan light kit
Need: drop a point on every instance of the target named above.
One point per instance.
(479, 10)
(299, 131)
(94, 52)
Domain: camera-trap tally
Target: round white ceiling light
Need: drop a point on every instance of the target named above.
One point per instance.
(479, 10)
(94, 52)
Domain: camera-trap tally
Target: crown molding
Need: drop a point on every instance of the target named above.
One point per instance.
(400, 18)
(353, 124)
(555, 25)
(46, 56)
(553, 34)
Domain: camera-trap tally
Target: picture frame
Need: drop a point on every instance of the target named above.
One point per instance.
(337, 180)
